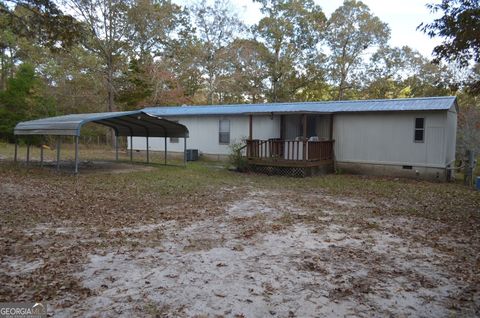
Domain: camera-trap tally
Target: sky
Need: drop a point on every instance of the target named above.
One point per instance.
(403, 17)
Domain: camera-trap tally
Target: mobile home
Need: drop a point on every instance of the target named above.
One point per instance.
(412, 137)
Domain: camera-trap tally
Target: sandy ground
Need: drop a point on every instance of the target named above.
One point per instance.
(264, 254)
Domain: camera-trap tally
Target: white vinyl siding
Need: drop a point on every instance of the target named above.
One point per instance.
(387, 138)
(203, 133)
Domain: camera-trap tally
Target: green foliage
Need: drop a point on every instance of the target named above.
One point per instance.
(403, 72)
(247, 71)
(24, 99)
(290, 31)
(468, 132)
(459, 27)
(236, 158)
(42, 22)
(217, 27)
(352, 29)
(136, 87)
(136, 53)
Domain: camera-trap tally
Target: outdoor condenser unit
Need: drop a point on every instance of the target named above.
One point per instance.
(192, 154)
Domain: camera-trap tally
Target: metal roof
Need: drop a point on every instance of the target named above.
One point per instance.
(131, 123)
(374, 105)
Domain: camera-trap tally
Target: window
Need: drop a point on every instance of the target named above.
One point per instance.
(224, 131)
(419, 129)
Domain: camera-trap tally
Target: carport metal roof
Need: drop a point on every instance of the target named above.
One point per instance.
(131, 123)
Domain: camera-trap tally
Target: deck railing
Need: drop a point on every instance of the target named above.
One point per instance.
(289, 149)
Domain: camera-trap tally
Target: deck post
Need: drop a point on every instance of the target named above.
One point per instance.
(131, 148)
(184, 151)
(58, 152)
(76, 154)
(28, 152)
(304, 137)
(250, 135)
(116, 147)
(16, 150)
(165, 152)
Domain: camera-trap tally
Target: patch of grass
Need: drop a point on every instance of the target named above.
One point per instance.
(286, 219)
(154, 310)
(147, 191)
(372, 226)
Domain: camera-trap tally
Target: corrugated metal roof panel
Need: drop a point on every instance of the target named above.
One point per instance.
(406, 104)
(132, 123)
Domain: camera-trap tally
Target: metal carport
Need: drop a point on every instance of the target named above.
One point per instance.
(129, 124)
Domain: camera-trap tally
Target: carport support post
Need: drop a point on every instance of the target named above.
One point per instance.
(16, 150)
(58, 152)
(131, 148)
(185, 151)
(76, 154)
(148, 152)
(165, 150)
(116, 147)
(28, 152)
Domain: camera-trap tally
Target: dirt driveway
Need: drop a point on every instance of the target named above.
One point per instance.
(234, 250)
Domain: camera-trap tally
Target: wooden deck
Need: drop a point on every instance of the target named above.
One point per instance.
(290, 157)
(288, 163)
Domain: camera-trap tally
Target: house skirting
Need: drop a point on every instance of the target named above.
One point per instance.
(394, 170)
(291, 168)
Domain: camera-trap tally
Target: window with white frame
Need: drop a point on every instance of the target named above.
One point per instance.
(224, 131)
(419, 133)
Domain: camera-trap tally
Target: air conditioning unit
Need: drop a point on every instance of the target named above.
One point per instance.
(192, 154)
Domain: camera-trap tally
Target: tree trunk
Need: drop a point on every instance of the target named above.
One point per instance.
(341, 89)
(4, 71)
(211, 79)
(111, 95)
(275, 77)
